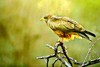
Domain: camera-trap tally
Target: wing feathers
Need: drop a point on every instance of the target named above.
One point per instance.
(92, 34)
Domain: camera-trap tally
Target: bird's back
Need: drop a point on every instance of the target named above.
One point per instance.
(67, 28)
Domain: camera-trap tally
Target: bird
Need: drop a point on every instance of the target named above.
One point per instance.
(66, 28)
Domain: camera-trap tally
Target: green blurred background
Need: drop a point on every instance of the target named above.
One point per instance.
(23, 36)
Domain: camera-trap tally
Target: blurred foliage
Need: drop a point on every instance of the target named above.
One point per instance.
(23, 36)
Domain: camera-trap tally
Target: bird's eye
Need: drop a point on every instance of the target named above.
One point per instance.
(45, 17)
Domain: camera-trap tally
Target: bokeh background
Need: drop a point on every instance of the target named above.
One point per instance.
(23, 36)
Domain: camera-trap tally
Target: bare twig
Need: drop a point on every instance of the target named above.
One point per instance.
(91, 62)
(64, 56)
(63, 49)
(58, 58)
(53, 48)
(50, 46)
(89, 51)
(47, 58)
(54, 62)
(56, 52)
(65, 53)
(64, 62)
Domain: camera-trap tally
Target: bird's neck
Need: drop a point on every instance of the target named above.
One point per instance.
(51, 24)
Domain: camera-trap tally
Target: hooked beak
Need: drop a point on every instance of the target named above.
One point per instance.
(42, 19)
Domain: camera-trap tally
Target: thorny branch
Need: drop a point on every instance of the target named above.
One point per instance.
(65, 56)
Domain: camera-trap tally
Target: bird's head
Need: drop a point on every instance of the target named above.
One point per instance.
(46, 18)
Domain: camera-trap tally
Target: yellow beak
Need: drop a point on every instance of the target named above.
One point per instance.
(42, 19)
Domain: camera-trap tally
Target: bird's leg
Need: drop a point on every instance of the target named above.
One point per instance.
(60, 39)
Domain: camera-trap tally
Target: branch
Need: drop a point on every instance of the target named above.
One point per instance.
(64, 56)
(57, 58)
(89, 51)
(55, 48)
(65, 53)
(91, 62)
(75, 61)
(95, 61)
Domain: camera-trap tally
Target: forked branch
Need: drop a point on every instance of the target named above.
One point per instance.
(62, 58)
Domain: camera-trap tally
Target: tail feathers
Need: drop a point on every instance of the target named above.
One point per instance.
(83, 35)
(92, 34)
